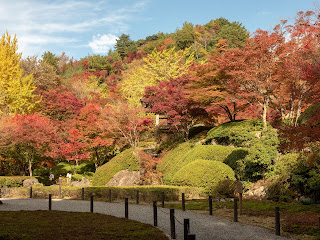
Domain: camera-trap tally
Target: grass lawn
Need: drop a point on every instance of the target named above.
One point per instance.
(297, 220)
(70, 225)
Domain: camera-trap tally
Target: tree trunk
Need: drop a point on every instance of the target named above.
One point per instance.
(264, 115)
(30, 167)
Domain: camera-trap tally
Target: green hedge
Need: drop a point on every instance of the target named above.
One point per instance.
(146, 193)
(187, 152)
(203, 173)
(238, 133)
(124, 160)
(12, 181)
(234, 159)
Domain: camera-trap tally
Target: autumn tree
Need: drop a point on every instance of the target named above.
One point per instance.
(16, 92)
(125, 122)
(31, 136)
(298, 68)
(158, 66)
(252, 70)
(94, 131)
(170, 99)
(44, 74)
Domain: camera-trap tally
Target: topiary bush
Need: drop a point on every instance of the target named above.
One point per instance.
(234, 159)
(208, 152)
(202, 173)
(124, 160)
(186, 153)
(238, 133)
(172, 160)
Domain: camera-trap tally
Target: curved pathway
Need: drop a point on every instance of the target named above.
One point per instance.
(205, 227)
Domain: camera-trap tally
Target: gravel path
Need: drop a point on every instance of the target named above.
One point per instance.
(205, 227)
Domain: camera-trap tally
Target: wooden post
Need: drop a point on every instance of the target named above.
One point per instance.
(109, 195)
(162, 199)
(240, 203)
(82, 193)
(155, 214)
(60, 179)
(235, 210)
(50, 204)
(183, 202)
(277, 220)
(191, 237)
(172, 224)
(319, 223)
(126, 208)
(210, 205)
(91, 203)
(137, 201)
(31, 192)
(186, 226)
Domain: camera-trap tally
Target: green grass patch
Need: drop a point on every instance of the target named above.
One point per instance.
(49, 225)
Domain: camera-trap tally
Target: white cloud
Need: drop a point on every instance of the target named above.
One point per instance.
(56, 24)
(102, 43)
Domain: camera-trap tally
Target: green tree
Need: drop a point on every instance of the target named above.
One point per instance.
(125, 45)
(51, 59)
(185, 37)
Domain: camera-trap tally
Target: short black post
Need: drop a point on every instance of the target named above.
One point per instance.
(210, 205)
(126, 208)
(155, 214)
(30, 192)
(319, 223)
(82, 194)
(183, 203)
(186, 228)
(162, 199)
(137, 201)
(91, 203)
(191, 237)
(172, 224)
(277, 220)
(50, 204)
(235, 210)
(109, 195)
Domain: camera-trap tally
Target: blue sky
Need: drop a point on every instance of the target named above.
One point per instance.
(80, 28)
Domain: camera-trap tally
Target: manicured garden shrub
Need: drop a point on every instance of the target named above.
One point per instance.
(208, 152)
(238, 133)
(172, 161)
(224, 189)
(202, 173)
(186, 153)
(63, 168)
(124, 160)
(235, 158)
(12, 181)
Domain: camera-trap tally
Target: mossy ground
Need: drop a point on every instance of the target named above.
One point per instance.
(39, 225)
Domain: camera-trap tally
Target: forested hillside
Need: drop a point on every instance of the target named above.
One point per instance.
(57, 109)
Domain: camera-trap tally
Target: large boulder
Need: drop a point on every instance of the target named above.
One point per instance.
(125, 178)
(30, 182)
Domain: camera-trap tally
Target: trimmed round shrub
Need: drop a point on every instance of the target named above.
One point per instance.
(124, 160)
(238, 133)
(208, 152)
(202, 173)
(171, 162)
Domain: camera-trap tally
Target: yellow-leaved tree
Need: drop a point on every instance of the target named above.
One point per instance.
(157, 67)
(16, 92)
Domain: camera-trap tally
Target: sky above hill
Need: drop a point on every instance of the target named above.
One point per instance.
(82, 28)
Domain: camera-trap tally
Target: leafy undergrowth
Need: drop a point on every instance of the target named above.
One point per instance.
(297, 220)
(69, 225)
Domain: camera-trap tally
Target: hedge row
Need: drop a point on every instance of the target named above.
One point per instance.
(146, 193)
(12, 181)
